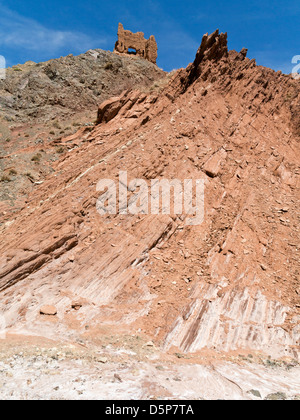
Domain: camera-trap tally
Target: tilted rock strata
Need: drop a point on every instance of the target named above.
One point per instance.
(144, 48)
(227, 284)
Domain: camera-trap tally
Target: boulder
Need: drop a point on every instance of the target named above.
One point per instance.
(48, 310)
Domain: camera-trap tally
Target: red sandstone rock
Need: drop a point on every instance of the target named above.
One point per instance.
(222, 116)
(77, 305)
(213, 165)
(48, 310)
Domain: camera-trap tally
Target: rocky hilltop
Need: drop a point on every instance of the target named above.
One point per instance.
(228, 286)
(40, 103)
(62, 87)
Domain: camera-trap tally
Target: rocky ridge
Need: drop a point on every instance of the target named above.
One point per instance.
(40, 103)
(72, 84)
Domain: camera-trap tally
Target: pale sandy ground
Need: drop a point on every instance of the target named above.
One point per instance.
(39, 369)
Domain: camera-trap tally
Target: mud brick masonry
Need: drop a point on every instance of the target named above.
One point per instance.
(142, 47)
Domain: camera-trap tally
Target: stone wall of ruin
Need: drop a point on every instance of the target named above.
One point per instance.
(144, 48)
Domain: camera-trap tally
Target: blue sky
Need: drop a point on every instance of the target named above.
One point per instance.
(38, 31)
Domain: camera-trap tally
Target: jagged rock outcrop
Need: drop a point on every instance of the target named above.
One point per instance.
(132, 104)
(145, 48)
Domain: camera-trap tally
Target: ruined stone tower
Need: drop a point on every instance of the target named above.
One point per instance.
(137, 43)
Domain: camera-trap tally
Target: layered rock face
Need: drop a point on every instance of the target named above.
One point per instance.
(145, 48)
(40, 103)
(230, 283)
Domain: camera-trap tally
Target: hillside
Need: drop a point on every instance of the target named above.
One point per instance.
(42, 102)
(227, 287)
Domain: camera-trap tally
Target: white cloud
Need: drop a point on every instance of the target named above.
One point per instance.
(17, 31)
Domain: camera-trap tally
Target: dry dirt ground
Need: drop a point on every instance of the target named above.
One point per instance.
(130, 368)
